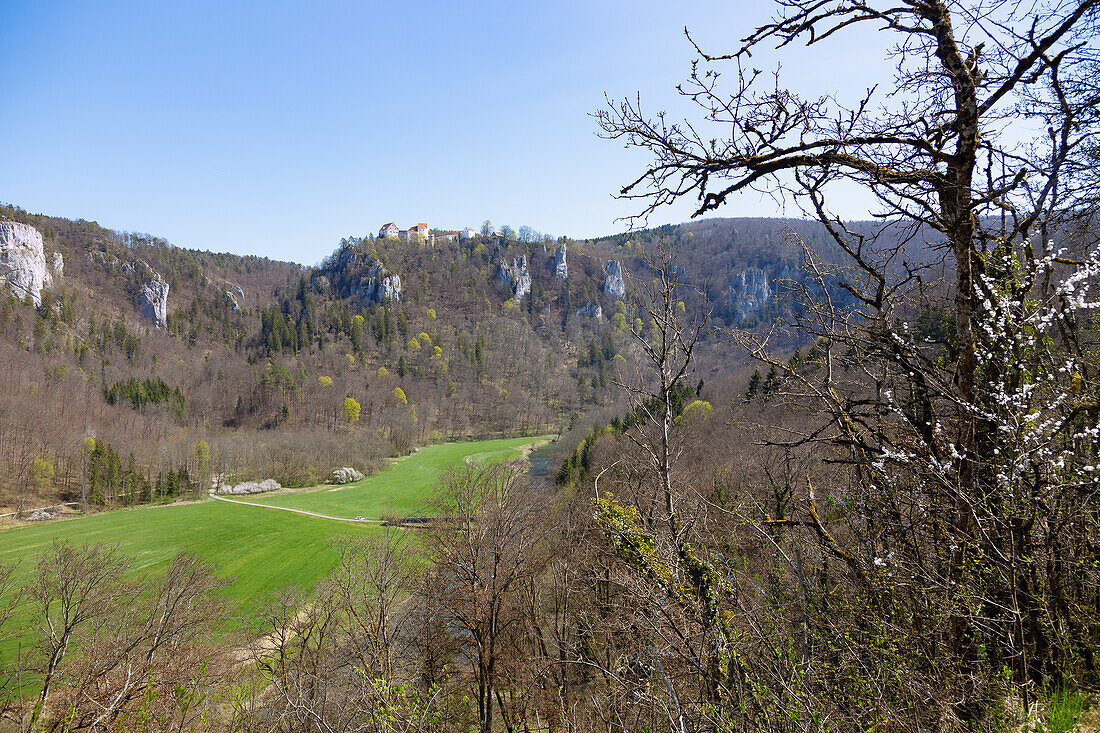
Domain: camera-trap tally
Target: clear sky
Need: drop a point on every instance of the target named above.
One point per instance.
(276, 128)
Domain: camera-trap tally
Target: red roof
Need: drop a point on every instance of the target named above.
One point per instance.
(420, 227)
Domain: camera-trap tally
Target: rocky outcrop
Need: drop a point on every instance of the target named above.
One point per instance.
(345, 475)
(591, 310)
(154, 300)
(749, 291)
(613, 284)
(58, 265)
(23, 260)
(515, 277)
(233, 304)
(559, 266)
(753, 288)
(239, 291)
(378, 286)
(389, 289)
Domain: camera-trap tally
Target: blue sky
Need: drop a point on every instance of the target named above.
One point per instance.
(276, 128)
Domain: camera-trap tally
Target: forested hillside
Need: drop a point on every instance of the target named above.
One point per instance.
(257, 368)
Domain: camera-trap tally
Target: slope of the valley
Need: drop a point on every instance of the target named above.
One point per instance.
(138, 371)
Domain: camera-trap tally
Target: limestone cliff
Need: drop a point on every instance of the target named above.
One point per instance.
(515, 277)
(154, 300)
(613, 285)
(559, 266)
(23, 260)
(753, 288)
(592, 310)
(378, 286)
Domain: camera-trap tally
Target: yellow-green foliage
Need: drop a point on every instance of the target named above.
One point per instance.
(42, 473)
(698, 412)
(351, 409)
(201, 454)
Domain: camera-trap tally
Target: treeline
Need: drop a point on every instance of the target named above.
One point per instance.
(109, 483)
(577, 466)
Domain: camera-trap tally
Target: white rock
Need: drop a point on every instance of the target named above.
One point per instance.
(58, 264)
(749, 291)
(23, 260)
(377, 286)
(233, 304)
(154, 301)
(559, 265)
(389, 289)
(592, 310)
(613, 283)
(515, 277)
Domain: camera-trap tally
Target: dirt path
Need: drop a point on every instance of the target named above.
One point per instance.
(358, 520)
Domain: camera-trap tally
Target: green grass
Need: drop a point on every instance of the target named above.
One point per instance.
(264, 552)
(1065, 707)
(263, 549)
(403, 490)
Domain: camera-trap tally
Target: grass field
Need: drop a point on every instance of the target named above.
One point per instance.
(263, 549)
(403, 489)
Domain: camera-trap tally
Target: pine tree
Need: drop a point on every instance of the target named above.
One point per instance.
(771, 382)
(754, 386)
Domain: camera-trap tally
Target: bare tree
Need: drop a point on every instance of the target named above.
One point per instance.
(335, 661)
(110, 649)
(966, 446)
(487, 545)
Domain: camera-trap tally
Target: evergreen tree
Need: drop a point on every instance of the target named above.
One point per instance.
(754, 386)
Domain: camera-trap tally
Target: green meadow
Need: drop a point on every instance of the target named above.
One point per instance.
(404, 489)
(262, 549)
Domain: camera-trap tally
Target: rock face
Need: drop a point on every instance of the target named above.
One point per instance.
(389, 289)
(23, 260)
(749, 292)
(559, 266)
(250, 487)
(154, 301)
(346, 475)
(592, 310)
(613, 284)
(233, 304)
(58, 265)
(377, 286)
(515, 277)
